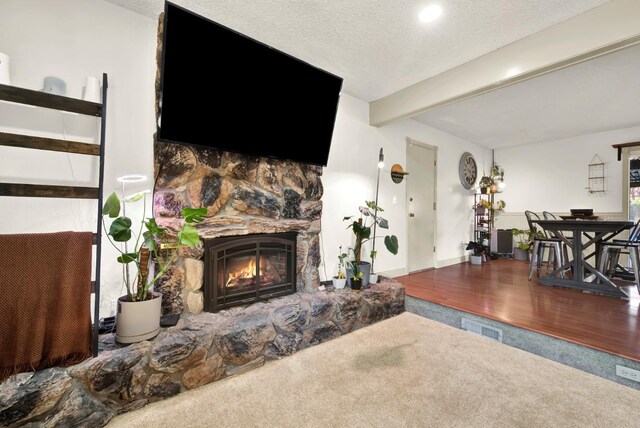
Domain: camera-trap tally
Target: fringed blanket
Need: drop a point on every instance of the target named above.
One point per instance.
(45, 310)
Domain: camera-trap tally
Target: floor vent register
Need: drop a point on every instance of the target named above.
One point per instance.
(482, 329)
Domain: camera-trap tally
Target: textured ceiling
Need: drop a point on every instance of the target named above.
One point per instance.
(379, 46)
(598, 95)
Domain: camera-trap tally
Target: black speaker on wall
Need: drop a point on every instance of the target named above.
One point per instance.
(502, 241)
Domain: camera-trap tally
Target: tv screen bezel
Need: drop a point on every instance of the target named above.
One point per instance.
(225, 149)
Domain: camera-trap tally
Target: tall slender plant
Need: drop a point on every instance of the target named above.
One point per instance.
(146, 241)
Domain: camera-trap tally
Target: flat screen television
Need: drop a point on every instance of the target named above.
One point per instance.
(224, 90)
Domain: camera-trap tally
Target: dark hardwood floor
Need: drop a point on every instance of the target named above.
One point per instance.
(499, 290)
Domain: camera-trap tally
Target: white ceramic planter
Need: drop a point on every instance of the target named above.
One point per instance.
(339, 283)
(138, 321)
(373, 278)
(476, 260)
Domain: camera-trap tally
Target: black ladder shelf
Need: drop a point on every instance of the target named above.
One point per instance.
(73, 105)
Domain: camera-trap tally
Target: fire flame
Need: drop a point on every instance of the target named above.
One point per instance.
(248, 270)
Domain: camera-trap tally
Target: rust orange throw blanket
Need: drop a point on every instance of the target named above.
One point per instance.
(45, 310)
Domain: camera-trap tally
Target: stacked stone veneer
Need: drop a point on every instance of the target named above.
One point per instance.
(243, 195)
(200, 349)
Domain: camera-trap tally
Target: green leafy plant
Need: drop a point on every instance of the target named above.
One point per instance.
(352, 265)
(362, 230)
(478, 248)
(341, 264)
(524, 238)
(146, 241)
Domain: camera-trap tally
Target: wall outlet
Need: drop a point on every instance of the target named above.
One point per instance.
(394, 200)
(628, 373)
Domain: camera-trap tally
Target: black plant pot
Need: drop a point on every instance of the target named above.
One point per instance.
(356, 283)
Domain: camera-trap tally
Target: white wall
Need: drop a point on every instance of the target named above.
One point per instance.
(553, 175)
(72, 39)
(350, 179)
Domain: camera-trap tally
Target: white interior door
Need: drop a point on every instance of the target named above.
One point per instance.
(421, 205)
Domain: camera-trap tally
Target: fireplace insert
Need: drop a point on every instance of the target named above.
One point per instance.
(244, 269)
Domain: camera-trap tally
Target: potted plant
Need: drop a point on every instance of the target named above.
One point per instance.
(340, 279)
(355, 275)
(362, 232)
(524, 242)
(478, 251)
(138, 315)
(373, 277)
(485, 184)
(482, 206)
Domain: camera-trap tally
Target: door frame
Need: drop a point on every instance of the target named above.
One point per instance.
(627, 153)
(408, 142)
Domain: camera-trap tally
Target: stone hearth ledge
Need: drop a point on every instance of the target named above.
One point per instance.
(202, 348)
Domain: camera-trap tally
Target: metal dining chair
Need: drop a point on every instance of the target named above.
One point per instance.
(610, 252)
(550, 216)
(541, 242)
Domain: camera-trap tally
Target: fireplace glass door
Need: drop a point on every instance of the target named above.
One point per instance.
(248, 268)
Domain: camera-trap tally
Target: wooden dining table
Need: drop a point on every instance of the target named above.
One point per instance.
(583, 237)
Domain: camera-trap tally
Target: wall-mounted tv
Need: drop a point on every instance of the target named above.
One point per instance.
(224, 90)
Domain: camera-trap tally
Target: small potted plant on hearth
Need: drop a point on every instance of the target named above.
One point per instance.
(373, 277)
(138, 314)
(340, 279)
(355, 275)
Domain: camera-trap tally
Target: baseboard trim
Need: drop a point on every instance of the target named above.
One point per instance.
(452, 261)
(394, 272)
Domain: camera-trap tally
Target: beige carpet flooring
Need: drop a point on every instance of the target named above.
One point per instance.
(406, 371)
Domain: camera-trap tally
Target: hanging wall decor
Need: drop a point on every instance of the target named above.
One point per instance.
(596, 175)
(398, 173)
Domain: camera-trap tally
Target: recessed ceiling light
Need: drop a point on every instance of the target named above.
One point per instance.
(430, 13)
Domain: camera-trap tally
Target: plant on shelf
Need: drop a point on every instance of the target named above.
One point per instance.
(494, 182)
(362, 230)
(485, 184)
(485, 204)
(498, 206)
(497, 173)
(144, 242)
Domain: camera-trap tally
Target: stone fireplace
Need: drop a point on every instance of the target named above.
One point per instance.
(244, 196)
(240, 270)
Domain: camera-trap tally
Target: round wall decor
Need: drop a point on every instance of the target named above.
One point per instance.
(467, 170)
(397, 173)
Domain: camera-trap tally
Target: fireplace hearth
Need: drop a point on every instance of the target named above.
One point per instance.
(240, 270)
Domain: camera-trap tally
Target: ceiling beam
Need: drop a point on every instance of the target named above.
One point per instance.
(599, 31)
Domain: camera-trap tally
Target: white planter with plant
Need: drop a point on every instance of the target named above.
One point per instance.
(138, 314)
(340, 280)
